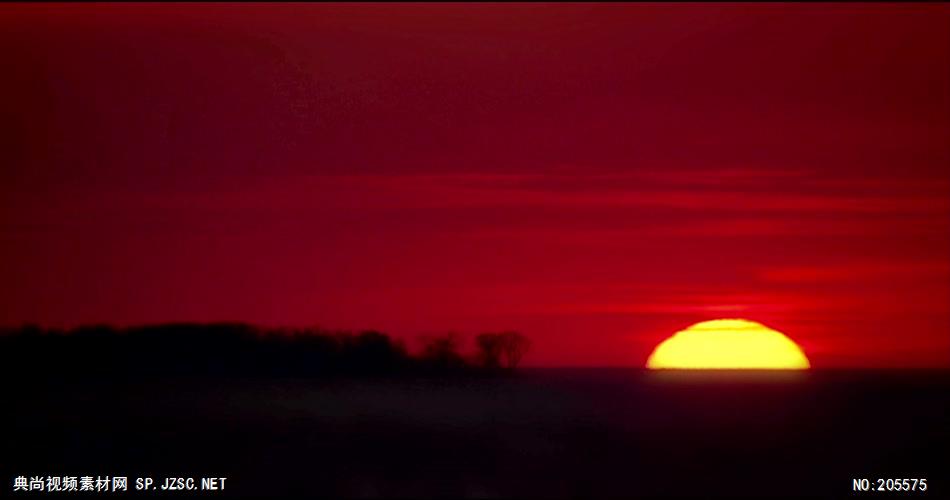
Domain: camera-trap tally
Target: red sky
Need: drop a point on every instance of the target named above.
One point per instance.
(596, 177)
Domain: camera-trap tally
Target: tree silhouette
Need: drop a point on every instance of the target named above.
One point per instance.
(514, 346)
(497, 349)
(442, 351)
(237, 349)
(490, 349)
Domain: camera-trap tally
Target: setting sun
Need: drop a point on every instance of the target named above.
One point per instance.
(728, 344)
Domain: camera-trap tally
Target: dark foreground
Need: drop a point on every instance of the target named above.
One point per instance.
(544, 433)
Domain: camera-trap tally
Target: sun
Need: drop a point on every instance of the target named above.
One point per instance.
(728, 344)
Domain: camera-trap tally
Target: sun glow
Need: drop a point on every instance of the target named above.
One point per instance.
(728, 344)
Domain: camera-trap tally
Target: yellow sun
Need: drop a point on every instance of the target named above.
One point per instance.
(728, 344)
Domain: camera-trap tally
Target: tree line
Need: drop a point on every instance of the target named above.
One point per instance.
(241, 349)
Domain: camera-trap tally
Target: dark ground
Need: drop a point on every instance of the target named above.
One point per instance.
(543, 433)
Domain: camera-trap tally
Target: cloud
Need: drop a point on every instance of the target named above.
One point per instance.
(851, 272)
(435, 191)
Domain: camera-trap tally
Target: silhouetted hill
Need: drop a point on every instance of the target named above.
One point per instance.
(231, 349)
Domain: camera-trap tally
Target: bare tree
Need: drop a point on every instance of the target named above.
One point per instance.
(443, 350)
(514, 347)
(490, 349)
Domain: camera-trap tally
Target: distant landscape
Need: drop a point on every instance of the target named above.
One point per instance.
(239, 349)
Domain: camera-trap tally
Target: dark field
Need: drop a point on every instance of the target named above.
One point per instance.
(579, 433)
